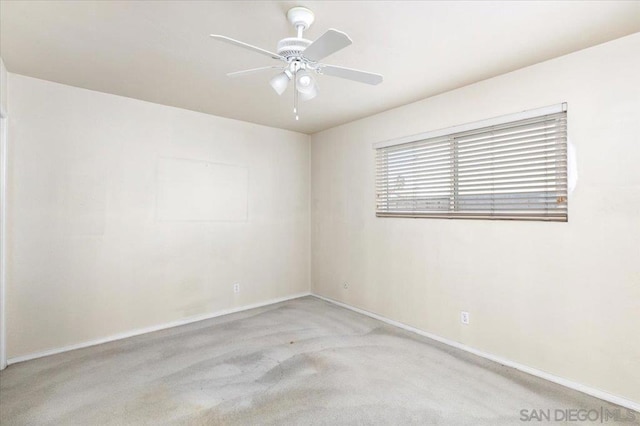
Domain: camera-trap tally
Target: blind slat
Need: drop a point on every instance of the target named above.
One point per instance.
(445, 145)
(551, 164)
(467, 177)
(551, 142)
(522, 158)
(524, 124)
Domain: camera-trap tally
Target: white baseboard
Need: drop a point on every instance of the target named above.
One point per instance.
(605, 396)
(151, 329)
(529, 370)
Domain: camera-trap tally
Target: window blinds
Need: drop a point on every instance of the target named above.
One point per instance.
(511, 170)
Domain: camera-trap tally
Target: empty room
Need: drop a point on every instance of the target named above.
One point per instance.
(319, 212)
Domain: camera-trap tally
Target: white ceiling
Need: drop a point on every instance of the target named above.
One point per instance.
(159, 51)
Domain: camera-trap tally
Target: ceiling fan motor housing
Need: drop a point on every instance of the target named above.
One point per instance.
(292, 47)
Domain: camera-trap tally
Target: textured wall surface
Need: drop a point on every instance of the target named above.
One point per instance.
(95, 248)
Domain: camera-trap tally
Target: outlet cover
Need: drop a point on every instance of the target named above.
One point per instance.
(464, 317)
(236, 288)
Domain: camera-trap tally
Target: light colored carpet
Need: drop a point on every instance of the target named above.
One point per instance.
(302, 362)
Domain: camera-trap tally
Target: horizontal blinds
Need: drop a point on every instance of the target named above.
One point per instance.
(514, 170)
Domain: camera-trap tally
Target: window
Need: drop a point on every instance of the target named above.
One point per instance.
(511, 167)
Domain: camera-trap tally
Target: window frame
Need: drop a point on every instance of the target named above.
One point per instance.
(454, 211)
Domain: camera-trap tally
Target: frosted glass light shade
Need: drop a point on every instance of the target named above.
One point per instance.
(306, 85)
(280, 83)
(308, 94)
(304, 81)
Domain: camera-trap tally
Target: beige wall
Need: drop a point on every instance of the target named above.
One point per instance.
(3, 88)
(90, 255)
(3, 167)
(559, 297)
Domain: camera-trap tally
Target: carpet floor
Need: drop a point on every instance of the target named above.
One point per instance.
(301, 362)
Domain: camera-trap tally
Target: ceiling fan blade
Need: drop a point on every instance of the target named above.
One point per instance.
(328, 43)
(246, 46)
(351, 74)
(251, 71)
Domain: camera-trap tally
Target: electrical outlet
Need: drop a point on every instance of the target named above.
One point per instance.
(464, 317)
(236, 288)
(346, 286)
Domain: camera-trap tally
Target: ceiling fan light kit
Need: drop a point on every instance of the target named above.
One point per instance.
(301, 57)
(280, 81)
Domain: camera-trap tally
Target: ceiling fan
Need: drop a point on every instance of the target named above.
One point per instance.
(301, 59)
